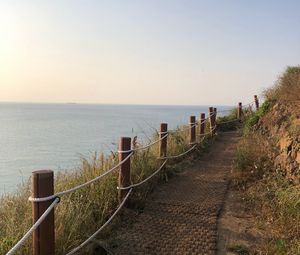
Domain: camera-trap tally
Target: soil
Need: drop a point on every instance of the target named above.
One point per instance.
(237, 229)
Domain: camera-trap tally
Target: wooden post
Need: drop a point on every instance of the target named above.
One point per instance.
(164, 142)
(256, 102)
(44, 235)
(211, 119)
(202, 124)
(240, 111)
(192, 129)
(124, 173)
(215, 121)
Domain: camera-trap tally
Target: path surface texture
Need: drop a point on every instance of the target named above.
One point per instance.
(181, 216)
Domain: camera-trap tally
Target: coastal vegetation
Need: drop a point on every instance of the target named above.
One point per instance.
(267, 166)
(81, 213)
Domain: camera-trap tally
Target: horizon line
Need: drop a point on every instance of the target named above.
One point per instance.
(93, 103)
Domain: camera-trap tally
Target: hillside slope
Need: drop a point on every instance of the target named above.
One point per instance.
(267, 172)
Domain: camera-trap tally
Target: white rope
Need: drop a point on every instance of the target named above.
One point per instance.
(33, 228)
(150, 144)
(102, 227)
(203, 121)
(146, 146)
(163, 133)
(208, 133)
(228, 110)
(59, 194)
(243, 106)
(186, 128)
(180, 155)
(148, 178)
(128, 151)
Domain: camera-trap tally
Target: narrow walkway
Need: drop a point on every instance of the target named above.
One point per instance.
(181, 216)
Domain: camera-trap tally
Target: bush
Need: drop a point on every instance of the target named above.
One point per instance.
(253, 119)
(287, 87)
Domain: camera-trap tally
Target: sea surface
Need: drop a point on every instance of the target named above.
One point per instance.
(56, 136)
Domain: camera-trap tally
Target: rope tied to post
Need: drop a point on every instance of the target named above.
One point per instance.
(149, 145)
(59, 194)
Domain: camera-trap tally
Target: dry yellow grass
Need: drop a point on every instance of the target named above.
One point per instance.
(81, 213)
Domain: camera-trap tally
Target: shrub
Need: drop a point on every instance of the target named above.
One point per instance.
(287, 87)
(254, 118)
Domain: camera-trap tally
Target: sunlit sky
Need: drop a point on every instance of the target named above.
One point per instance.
(190, 52)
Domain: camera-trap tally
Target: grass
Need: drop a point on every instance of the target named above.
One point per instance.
(275, 200)
(81, 213)
(238, 249)
(267, 192)
(287, 86)
(228, 122)
(253, 118)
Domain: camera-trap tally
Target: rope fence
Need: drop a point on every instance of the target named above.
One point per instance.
(125, 187)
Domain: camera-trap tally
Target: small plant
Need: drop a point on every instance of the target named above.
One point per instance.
(238, 249)
(280, 247)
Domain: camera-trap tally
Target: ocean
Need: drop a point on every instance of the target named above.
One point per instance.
(57, 136)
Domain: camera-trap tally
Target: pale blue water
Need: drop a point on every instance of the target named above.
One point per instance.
(54, 136)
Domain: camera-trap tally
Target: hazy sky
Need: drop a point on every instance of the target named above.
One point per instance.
(145, 52)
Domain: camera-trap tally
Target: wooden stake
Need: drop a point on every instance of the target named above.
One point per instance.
(164, 142)
(192, 133)
(211, 119)
(256, 102)
(202, 123)
(240, 111)
(124, 173)
(44, 235)
(215, 121)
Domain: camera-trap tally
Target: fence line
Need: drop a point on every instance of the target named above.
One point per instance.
(124, 174)
(150, 144)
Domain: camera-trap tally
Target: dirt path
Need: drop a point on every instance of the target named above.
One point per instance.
(181, 216)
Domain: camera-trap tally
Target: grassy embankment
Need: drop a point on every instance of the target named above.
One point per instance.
(81, 213)
(272, 190)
